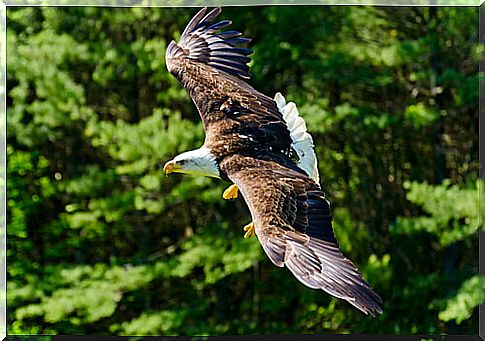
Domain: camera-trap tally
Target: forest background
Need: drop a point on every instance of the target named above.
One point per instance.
(99, 242)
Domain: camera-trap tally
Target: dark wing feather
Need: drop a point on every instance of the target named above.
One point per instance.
(201, 42)
(294, 226)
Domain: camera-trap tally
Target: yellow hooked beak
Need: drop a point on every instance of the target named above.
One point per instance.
(171, 167)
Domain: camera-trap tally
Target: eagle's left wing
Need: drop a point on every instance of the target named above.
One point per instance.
(293, 223)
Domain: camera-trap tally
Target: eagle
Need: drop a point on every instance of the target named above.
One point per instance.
(261, 145)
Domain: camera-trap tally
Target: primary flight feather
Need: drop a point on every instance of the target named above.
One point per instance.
(262, 146)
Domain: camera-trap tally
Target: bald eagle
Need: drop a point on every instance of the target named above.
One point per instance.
(261, 145)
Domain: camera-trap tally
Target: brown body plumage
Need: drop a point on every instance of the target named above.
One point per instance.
(250, 141)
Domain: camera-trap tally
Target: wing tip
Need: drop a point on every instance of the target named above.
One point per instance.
(368, 307)
(204, 42)
(336, 275)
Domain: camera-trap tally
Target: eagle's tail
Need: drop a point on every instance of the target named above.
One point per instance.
(302, 140)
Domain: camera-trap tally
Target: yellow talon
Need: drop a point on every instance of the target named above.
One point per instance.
(249, 228)
(230, 192)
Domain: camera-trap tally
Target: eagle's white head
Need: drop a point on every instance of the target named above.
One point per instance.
(199, 162)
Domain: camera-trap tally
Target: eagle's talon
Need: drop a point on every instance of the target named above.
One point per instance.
(230, 192)
(249, 228)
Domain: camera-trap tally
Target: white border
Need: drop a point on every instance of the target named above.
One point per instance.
(136, 3)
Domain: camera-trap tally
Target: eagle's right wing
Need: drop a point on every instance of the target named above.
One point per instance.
(293, 223)
(212, 66)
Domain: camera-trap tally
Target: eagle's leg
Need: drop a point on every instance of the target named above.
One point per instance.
(249, 228)
(230, 192)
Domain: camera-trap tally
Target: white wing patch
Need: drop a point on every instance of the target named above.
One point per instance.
(302, 140)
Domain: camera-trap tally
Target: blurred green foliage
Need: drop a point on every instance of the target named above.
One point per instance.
(100, 243)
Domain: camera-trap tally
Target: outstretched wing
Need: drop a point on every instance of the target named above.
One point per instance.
(294, 226)
(212, 65)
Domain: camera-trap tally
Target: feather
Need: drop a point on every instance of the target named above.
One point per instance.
(228, 34)
(211, 16)
(280, 101)
(238, 41)
(219, 25)
(238, 50)
(230, 56)
(194, 22)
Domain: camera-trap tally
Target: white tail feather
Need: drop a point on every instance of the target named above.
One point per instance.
(302, 140)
